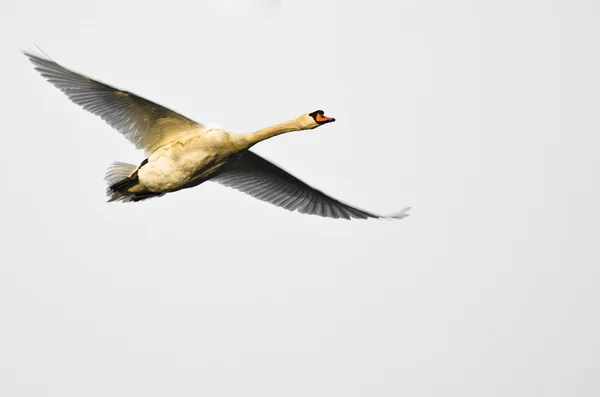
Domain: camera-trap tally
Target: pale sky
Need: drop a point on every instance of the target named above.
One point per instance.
(482, 116)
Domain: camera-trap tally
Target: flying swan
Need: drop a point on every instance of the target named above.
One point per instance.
(183, 154)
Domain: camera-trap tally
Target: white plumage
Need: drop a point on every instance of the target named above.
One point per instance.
(183, 153)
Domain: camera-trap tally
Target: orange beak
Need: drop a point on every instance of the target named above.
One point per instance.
(322, 118)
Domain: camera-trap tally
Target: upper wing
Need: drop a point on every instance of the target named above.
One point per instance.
(147, 125)
(261, 179)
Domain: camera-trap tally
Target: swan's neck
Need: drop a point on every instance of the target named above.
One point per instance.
(245, 141)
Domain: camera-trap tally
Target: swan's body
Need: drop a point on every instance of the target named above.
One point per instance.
(187, 161)
(182, 153)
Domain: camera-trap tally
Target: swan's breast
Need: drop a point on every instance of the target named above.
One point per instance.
(180, 163)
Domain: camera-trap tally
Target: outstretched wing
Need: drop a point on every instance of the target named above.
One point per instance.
(146, 124)
(261, 179)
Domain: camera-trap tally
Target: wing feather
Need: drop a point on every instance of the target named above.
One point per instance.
(144, 123)
(261, 179)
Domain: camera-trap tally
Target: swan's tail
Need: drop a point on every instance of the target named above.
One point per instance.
(123, 183)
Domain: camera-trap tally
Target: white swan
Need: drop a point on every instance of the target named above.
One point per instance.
(182, 153)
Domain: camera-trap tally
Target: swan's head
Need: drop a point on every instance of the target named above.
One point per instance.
(314, 119)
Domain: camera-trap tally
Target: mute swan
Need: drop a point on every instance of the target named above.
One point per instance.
(182, 153)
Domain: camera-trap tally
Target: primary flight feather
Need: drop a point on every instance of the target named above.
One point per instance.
(182, 153)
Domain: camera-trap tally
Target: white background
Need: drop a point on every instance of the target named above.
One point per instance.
(481, 115)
